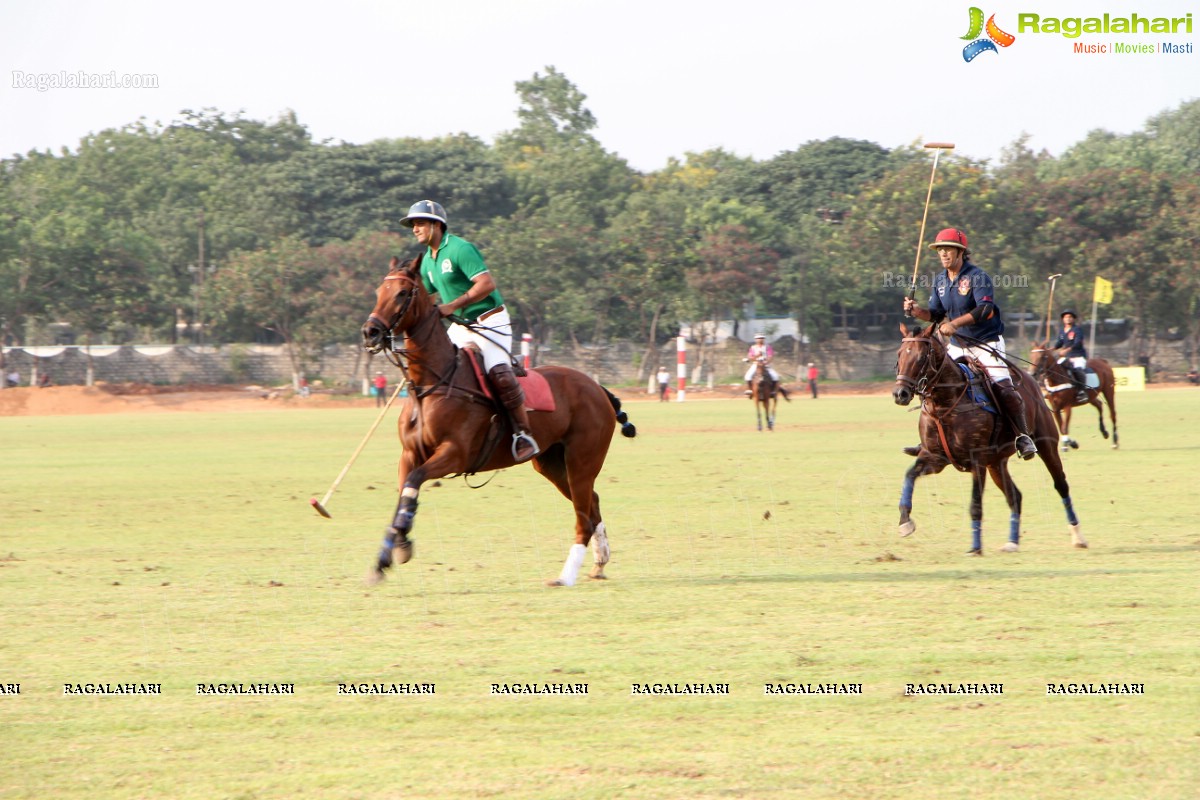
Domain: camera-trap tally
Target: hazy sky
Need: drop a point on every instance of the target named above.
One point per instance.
(663, 77)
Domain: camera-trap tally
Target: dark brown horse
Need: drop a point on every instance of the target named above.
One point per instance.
(764, 390)
(1060, 392)
(449, 425)
(957, 429)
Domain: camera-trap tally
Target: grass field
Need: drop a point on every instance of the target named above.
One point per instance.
(180, 549)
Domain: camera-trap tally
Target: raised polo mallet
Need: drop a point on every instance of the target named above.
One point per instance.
(1050, 304)
(319, 505)
(937, 148)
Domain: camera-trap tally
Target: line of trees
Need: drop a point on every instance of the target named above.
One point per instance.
(219, 228)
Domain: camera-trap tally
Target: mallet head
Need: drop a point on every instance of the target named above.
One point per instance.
(939, 146)
(315, 503)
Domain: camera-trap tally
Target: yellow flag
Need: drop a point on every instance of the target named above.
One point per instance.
(1103, 291)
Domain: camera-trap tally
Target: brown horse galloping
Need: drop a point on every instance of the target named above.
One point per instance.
(1059, 392)
(956, 429)
(450, 426)
(764, 390)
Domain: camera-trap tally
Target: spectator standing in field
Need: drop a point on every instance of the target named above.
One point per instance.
(812, 379)
(664, 381)
(380, 384)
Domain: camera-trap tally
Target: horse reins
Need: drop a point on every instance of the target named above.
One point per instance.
(921, 387)
(398, 355)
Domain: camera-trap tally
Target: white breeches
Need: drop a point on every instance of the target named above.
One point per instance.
(771, 370)
(493, 337)
(990, 357)
(1079, 362)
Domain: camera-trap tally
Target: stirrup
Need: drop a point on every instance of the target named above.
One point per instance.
(1025, 449)
(517, 439)
(1081, 396)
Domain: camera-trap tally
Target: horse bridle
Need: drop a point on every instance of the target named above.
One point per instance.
(1041, 371)
(920, 385)
(390, 326)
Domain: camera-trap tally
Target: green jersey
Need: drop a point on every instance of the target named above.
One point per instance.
(450, 274)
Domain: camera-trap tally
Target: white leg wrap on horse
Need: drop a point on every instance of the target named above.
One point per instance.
(570, 570)
(409, 491)
(600, 551)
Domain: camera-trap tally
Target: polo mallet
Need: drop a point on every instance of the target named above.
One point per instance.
(319, 505)
(937, 148)
(1050, 304)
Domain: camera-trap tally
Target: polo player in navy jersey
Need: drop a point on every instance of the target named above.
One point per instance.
(963, 306)
(1070, 349)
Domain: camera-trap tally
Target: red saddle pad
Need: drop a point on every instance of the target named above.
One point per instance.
(538, 396)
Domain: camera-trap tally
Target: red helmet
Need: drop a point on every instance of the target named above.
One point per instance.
(950, 237)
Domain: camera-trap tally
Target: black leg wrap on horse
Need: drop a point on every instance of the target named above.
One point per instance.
(405, 513)
(1014, 408)
(512, 397)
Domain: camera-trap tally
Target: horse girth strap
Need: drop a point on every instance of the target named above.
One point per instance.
(946, 444)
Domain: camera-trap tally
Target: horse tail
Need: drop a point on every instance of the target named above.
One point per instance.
(628, 429)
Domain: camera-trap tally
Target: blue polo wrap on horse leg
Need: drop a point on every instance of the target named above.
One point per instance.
(1071, 518)
(906, 493)
(405, 514)
(385, 551)
(1014, 528)
(977, 534)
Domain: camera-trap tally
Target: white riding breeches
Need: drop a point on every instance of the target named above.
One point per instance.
(991, 357)
(771, 370)
(493, 337)
(1079, 362)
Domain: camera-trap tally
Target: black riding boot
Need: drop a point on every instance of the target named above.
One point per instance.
(512, 396)
(749, 388)
(1079, 378)
(1014, 408)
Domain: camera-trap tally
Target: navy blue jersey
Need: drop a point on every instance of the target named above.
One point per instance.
(972, 288)
(1073, 339)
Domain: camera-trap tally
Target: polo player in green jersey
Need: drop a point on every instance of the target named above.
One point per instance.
(454, 269)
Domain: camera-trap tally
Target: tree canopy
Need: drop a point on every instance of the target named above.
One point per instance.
(226, 228)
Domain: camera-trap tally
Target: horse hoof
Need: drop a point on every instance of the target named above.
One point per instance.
(1074, 444)
(555, 582)
(402, 553)
(374, 577)
(975, 552)
(598, 576)
(1010, 547)
(1081, 546)
(907, 528)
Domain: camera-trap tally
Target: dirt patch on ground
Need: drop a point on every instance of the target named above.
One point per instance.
(127, 398)
(137, 398)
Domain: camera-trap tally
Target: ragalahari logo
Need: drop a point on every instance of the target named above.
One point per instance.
(995, 36)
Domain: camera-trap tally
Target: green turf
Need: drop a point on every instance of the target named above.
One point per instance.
(181, 549)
